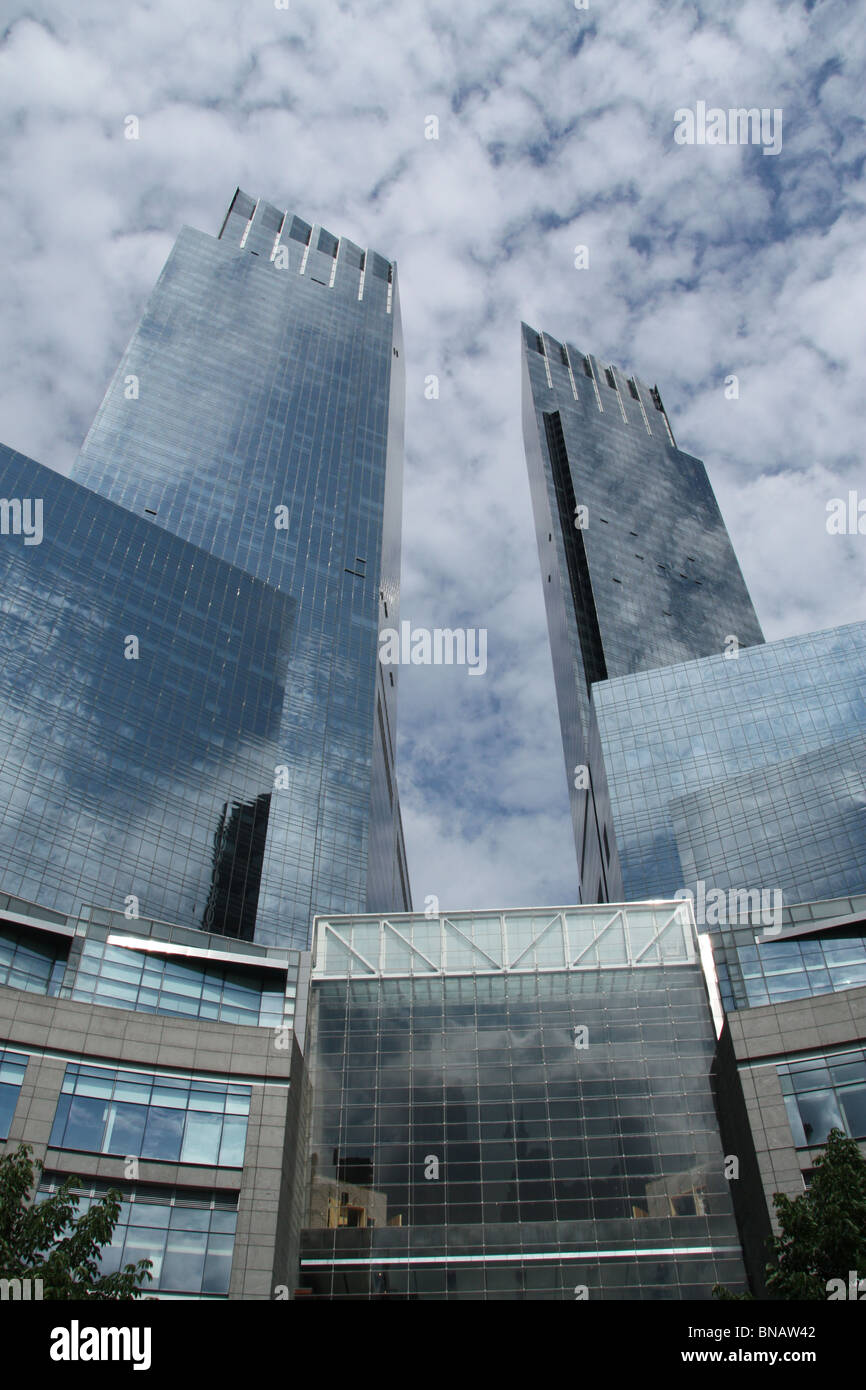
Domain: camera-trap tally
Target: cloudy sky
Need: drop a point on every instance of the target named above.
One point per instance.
(555, 129)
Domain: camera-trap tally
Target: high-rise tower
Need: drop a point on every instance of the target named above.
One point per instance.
(248, 454)
(638, 568)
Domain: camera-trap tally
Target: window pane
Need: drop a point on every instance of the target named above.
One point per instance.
(125, 1129)
(202, 1140)
(8, 1101)
(85, 1125)
(233, 1141)
(183, 1269)
(163, 1133)
(218, 1265)
(820, 1113)
(853, 1100)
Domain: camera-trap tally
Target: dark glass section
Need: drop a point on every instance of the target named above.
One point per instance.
(825, 1092)
(31, 960)
(575, 554)
(239, 848)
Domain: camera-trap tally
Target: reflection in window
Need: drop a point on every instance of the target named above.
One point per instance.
(160, 1117)
(150, 983)
(188, 1236)
(824, 1093)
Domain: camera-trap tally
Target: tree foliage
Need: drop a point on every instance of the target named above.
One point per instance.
(822, 1232)
(48, 1240)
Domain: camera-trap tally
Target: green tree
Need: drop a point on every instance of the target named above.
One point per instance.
(822, 1232)
(48, 1240)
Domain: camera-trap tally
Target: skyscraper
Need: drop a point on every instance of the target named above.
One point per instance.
(197, 742)
(248, 457)
(637, 566)
(721, 767)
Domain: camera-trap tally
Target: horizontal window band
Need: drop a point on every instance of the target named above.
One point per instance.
(173, 948)
(551, 1256)
(92, 1059)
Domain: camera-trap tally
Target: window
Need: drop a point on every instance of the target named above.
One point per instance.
(188, 1235)
(128, 979)
(633, 388)
(300, 231)
(823, 1093)
(31, 960)
(327, 242)
(609, 378)
(12, 1068)
(169, 1118)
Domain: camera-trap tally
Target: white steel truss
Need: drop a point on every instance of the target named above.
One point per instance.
(604, 936)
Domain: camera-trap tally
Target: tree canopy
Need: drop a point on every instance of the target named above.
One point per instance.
(48, 1240)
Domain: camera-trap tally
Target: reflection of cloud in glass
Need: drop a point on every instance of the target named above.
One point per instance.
(120, 772)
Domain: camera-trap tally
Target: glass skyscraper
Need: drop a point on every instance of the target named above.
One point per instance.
(197, 742)
(194, 717)
(637, 566)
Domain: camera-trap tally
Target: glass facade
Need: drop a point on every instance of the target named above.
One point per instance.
(645, 576)
(196, 624)
(130, 979)
(12, 1068)
(742, 773)
(188, 1236)
(515, 1105)
(257, 414)
(797, 824)
(36, 962)
(151, 967)
(816, 948)
(102, 1110)
(116, 770)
